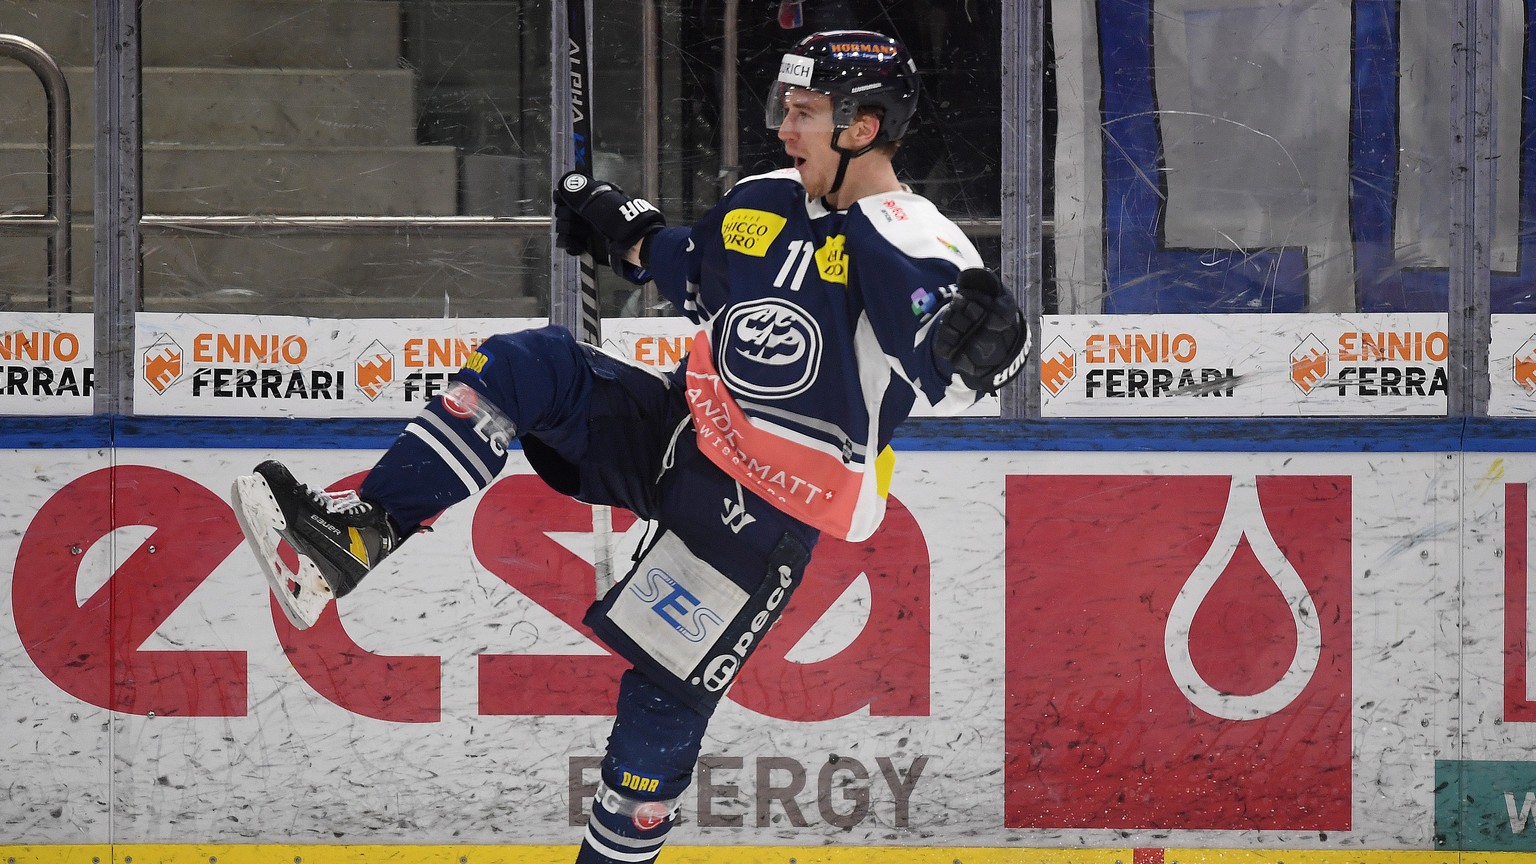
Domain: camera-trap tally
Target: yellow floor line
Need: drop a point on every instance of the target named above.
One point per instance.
(520, 854)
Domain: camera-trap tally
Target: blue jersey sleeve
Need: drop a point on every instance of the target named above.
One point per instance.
(901, 319)
(674, 264)
(906, 260)
(691, 265)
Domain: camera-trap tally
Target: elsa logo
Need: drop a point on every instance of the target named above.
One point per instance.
(770, 349)
(925, 302)
(676, 605)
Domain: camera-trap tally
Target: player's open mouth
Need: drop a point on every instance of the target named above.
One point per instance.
(799, 161)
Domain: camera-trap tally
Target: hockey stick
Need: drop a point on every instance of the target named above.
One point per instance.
(579, 33)
(1228, 383)
(588, 320)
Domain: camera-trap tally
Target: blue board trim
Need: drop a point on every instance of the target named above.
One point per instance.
(1261, 435)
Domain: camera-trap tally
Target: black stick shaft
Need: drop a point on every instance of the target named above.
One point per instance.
(580, 67)
(578, 14)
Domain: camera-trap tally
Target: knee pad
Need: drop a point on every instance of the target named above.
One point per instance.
(654, 743)
(533, 376)
(521, 352)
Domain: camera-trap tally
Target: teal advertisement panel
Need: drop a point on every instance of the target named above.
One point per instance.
(1488, 806)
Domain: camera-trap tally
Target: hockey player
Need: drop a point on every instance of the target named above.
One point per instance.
(828, 299)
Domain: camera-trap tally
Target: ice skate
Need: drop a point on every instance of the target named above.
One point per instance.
(338, 538)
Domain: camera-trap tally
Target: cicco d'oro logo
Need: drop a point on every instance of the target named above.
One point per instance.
(769, 349)
(162, 363)
(751, 232)
(374, 370)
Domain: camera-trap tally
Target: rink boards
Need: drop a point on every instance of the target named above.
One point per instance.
(1069, 648)
(749, 855)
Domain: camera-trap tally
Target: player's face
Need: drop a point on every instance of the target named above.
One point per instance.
(807, 135)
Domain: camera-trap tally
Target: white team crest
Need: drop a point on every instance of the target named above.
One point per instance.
(770, 349)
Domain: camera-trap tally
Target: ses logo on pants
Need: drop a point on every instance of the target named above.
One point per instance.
(1178, 652)
(676, 605)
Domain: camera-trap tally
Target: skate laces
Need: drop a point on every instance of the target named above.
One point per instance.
(344, 503)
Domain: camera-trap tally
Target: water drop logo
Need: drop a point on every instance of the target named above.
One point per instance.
(1243, 519)
(1167, 690)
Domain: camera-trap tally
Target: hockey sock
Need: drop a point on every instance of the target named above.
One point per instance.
(652, 750)
(620, 838)
(454, 448)
(514, 383)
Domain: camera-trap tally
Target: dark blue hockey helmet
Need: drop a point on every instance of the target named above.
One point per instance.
(858, 69)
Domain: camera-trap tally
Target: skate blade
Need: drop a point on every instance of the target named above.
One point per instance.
(303, 595)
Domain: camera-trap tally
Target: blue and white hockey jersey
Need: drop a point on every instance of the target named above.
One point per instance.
(814, 340)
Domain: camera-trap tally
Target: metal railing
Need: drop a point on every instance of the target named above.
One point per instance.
(458, 226)
(292, 226)
(54, 223)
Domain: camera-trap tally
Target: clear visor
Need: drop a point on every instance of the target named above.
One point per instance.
(804, 111)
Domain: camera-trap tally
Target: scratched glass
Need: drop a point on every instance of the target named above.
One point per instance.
(1216, 157)
(1335, 160)
(713, 79)
(331, 125)
(417, 109)
(61, 32)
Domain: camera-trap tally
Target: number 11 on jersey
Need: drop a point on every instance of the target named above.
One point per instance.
(803, 251)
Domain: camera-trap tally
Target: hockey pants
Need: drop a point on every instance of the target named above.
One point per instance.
(605, 432)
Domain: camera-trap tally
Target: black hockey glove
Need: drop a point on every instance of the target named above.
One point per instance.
(595, 216)
(982, 332)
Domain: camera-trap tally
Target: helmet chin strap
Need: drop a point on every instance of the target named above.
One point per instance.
(844, 157)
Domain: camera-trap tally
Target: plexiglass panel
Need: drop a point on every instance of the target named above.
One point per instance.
(41, 35)
(441, 109)
(1200, 168)
(712, 79)
(339, 113)
(1330, 174)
